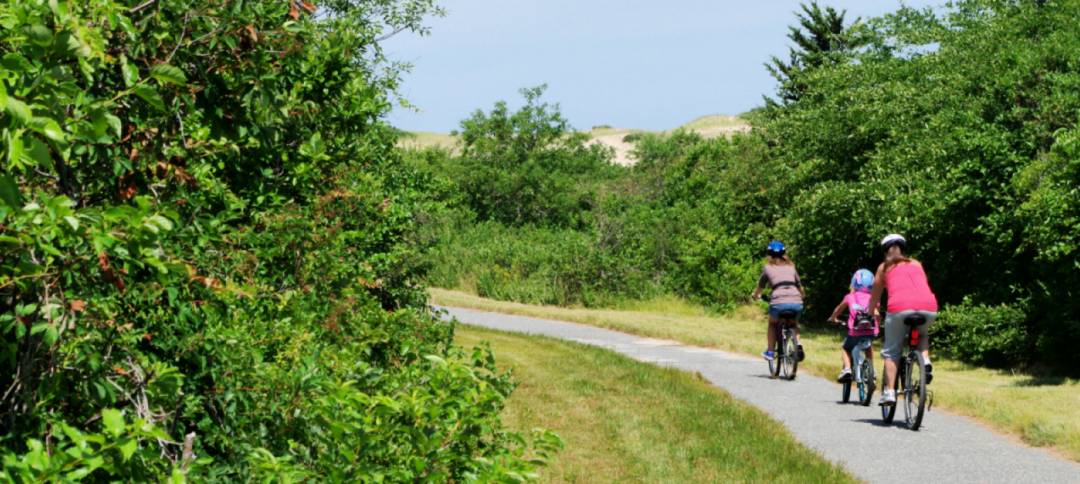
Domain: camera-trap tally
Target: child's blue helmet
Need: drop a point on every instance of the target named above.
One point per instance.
(862, 280)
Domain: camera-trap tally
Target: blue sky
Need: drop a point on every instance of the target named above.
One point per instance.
(630, 63)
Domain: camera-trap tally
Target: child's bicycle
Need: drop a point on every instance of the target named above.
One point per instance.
(786, 362)
(862, 369)
(910, 380)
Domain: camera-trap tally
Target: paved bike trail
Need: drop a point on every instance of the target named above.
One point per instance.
(947, 447)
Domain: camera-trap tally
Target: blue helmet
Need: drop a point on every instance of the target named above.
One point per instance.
(862, 280)
(775, 249)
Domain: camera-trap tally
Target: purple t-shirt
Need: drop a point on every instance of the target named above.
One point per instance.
(784, 281)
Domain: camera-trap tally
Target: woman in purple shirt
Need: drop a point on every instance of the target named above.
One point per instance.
(787, 293)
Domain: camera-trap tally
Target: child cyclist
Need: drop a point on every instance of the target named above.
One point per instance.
(859, 335)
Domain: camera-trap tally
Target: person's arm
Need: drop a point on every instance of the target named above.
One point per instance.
(760, 285)
(875, 292)
(836, 312)
(798, 285)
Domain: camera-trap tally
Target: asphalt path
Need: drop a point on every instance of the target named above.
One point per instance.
(947, 448)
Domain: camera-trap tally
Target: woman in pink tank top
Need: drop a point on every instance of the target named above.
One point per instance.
(904, 279)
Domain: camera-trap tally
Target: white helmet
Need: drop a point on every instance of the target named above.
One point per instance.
(893, 239)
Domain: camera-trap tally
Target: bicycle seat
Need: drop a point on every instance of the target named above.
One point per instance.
(915, 320)
(787, 314)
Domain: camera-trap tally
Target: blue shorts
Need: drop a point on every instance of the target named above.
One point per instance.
(774, 309)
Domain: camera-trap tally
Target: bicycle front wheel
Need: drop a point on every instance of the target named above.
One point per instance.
(914, 389)
(790, 359)
(866, 382)
(888, 411)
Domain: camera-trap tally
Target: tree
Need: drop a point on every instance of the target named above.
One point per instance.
(820, 38)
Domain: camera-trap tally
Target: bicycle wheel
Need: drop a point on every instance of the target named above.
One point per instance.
(914, 390)
(846, 391)
(791, 354)
(866, 382)
(774, 364)
(887, 411)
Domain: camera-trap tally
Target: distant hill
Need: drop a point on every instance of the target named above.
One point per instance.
(709, 126)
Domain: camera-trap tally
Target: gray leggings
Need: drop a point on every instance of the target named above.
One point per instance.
(896, 331)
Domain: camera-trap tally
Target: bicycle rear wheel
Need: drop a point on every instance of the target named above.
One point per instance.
(846, 391)
(914, 389)
(790, 359)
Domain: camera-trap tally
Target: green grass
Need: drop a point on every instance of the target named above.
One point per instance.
(714, 121)
(424, 139)
(622, 420)
(1041, 412)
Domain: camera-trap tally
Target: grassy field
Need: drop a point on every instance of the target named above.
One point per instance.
(423, 139)
(714, 122)
(622, 420)
(1043, 412)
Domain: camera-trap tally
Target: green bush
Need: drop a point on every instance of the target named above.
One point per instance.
(990, 335)
(211, 260)
(529, 167)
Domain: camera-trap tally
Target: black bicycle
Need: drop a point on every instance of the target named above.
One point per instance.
(785, 363)
(862, 369)
(910, 379)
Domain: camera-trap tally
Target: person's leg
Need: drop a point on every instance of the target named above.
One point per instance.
(771, 338)
(890, 350)
(845, 357)
(924, 343)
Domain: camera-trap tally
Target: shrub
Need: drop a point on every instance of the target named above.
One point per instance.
(990, 335)
(209, 265)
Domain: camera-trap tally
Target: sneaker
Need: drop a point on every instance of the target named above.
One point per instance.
(888, 398)
(929, 373)
(801, 354)
(768, 355)
(845, 376)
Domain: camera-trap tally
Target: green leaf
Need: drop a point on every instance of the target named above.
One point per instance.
(72, 221)
(25, 309)
(18, 110)
(162, 222)
(35, 152)
(15, 148)
(127, 448)
(167, 74)
(9, 191)
(113, 421)
(149, 94)
(115, 124)
(130, 72)
(16, 62)
(40, 35)
(49, 128)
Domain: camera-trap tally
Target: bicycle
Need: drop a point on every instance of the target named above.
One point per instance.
(862, 369)
(786, 361)
(910, 380)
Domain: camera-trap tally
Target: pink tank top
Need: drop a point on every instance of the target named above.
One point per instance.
(908, 289)
(858, 301)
